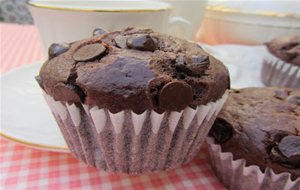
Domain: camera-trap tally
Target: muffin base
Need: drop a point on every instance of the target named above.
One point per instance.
(235, 175)
(276, 72)
(125, 142)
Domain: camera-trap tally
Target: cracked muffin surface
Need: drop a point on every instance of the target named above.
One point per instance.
(133, 69)
(262, 126)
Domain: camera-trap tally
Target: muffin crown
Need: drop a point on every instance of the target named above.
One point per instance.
(135, 69)
(286, 49)
(262, 126)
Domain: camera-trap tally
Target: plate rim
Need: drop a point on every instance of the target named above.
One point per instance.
(35, 145)
(23, 142)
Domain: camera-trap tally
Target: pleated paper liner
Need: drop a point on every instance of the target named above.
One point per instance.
(235, 175)
(276, 72)
(126, 142)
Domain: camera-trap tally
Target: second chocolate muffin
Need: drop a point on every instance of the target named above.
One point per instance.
(281, 65)
(133, 100)
(262, 127)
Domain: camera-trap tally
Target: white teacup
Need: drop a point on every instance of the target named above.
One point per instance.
(189, 12)
(67, 21)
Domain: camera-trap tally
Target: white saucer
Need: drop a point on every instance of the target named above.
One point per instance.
(243, 62)
(26, 118)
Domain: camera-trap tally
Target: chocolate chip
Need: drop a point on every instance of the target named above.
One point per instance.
(289, 162)
(191, 70)
(197, 70)
(99, 31)
(290, 146)
(142, 42)
(39, 81)
(193, 66)
(294, 99)
(221, 130)
(287, 153)
(154, 87)
(276, 136)
(57, 49)
(175, 96)
(89, 52)
(121, 41)
(68, 92)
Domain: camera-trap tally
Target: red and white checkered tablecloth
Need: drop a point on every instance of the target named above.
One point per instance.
(26, 168)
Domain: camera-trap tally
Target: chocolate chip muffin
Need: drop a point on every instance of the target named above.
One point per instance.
(134, 100)
(262, 127)
(281, 66)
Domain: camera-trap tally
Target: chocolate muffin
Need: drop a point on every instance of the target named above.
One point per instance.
(262, 127)
(134, 100)
(281, 66)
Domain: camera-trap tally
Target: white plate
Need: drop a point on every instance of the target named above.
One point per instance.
(243, 62)
(26, 119)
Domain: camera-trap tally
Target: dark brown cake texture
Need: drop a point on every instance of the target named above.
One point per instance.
(282, 67)
(262, 126)
(134, 100)
(133, 69)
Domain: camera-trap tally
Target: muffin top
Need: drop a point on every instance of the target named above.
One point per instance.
(135, 69)
(286, 49)
(262, 126)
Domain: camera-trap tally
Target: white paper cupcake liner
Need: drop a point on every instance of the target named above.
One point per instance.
(235, 175)
(276, 72)
(130, 143)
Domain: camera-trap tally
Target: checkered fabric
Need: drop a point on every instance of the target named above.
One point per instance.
(19, 45)
(26, 168)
